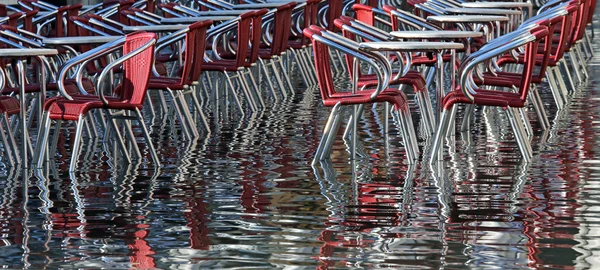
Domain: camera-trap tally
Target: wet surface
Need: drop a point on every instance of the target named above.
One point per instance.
(246, 196)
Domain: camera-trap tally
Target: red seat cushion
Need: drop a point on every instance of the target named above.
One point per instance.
(9, 105)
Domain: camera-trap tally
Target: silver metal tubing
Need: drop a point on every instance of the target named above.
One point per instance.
(575, 65)
(522, 141)
(332, 134)
(77, 144)
(468, 114)
(263, 67)
(437, 150)
(118, 137)
(7, 148)
(332, 115)
(149, 144)
(568, 75)
(556, 92)
(561, 82)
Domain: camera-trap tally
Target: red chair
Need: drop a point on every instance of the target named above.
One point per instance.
(402, 77)
(334, 98)
(137, 59)
(278, 29)
(474, 94)
(221, 59)
(298, 44)
(189, 73)
(8, 106)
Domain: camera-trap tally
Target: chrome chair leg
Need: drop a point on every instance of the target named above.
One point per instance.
(11, 138)
(568, 75)
(77, 144)
(8, 155)
(332, 134)
(561, 83)
(519, 136)
(232, 90)
(149, 144)
(538, 106)
(556, 92)
(575, 66)
(437, 150)
(263, 67)
(328, 126)
(426, 112)
(465, 126)
(118, 137)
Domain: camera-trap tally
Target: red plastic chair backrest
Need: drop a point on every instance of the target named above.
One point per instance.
(243, 38)
(194, 51)
(151, 6)
(310, 17)
(322, 62)
(531, 49)
(137, 69)
(13, 19)
(3, 11)
(255, 38)
(364, 13)
(581, 21)
(124, 5)
(28, 21)
(565, 29)
(28, 3)
(333, 12)
(282, 28)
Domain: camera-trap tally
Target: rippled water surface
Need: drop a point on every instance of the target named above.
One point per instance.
(246, 196)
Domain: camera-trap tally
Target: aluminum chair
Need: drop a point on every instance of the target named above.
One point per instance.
(471, 93)
(137, 59)
(186, 82)
(322, 42)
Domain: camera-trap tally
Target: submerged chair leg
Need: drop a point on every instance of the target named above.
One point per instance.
(437, 150)
(521, 138)
(149, 144)
(328, 127)
(77, 144)
(11, 138)
(8, 156)
(556, 92)
(42, 141)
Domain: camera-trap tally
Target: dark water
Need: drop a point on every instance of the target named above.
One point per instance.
(247, 197)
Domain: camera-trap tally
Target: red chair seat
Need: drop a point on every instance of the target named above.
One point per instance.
(393, 96)
(9, 105)
(221, 65)
(485, 98)
(164, 83)
(70, 87)
(60, 108)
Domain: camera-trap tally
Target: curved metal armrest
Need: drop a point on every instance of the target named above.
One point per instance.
(473, 60)
(165, 41)
(484, 11)
(436, 34)
(382, 74)
(403, 68)
(410, 46)
(107, 26)
(83, 58)
(24, 40)
(117, 62)
(467, 18)
(90, 9)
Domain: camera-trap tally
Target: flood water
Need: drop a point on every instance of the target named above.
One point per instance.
(246, 196)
